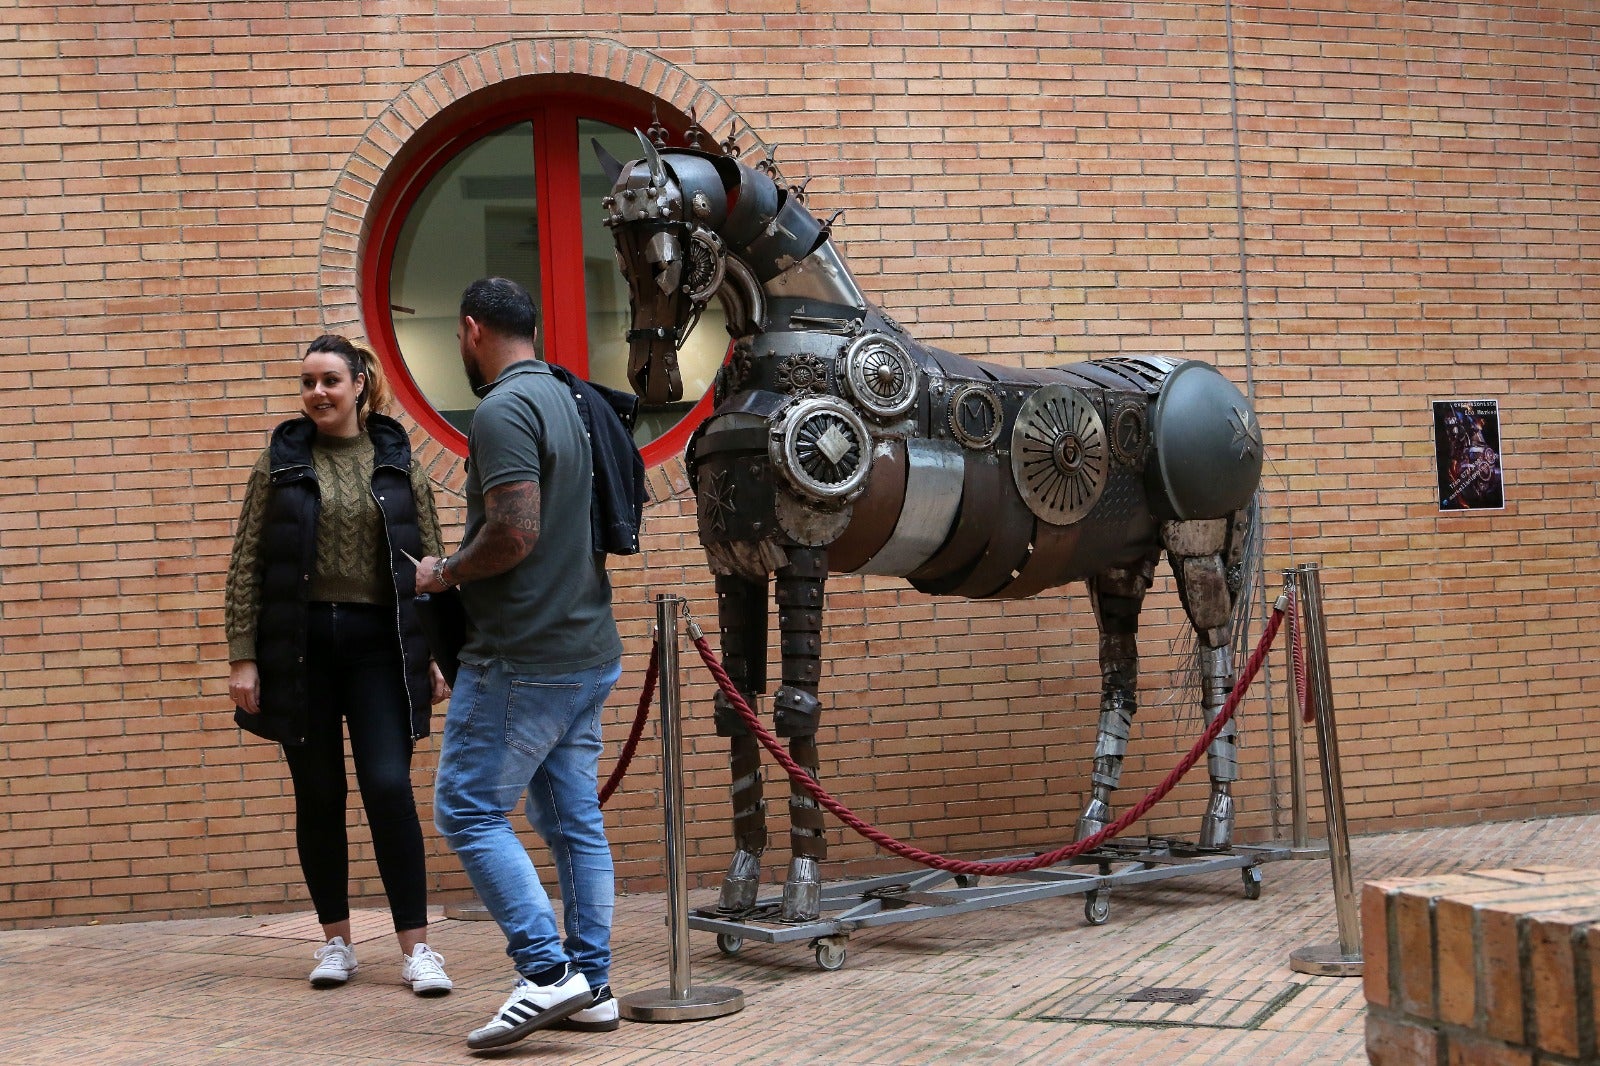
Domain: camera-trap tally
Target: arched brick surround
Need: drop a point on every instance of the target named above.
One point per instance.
(358, 185)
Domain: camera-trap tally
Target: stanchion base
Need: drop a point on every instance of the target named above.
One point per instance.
(1325, 960)
(1312, 849)
(697, 1003)
(468, 910)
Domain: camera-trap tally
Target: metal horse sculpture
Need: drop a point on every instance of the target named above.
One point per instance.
(841, 444)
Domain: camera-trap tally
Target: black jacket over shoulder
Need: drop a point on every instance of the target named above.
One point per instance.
(288, 556)
(616, 509)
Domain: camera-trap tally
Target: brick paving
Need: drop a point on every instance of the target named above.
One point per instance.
(1029, 983)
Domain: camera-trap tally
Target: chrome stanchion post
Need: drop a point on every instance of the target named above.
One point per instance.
(1342, 959)
(1300, 845)
(679, 1001)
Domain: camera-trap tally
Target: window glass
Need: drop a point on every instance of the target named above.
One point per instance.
(522, 201)
(606, 295)
(477, 217)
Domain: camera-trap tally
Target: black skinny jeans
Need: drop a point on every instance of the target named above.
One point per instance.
(354, 675)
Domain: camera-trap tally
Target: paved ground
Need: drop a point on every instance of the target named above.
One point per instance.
(1029, 983)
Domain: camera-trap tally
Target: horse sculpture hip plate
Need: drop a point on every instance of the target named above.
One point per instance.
(841, 444)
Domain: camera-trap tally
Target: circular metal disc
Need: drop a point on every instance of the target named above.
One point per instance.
(822, 448)
(881, 375)
(1059, 454)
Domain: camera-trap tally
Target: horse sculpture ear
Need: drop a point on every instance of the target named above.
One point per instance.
(608, 162)
(658, 173)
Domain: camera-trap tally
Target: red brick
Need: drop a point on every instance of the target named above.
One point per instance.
(1468, 1049)
(1394, 1040)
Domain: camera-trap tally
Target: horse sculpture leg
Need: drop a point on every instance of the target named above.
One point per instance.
(796, 712)
(1117, 596)
(1198, 553)
(742, 617)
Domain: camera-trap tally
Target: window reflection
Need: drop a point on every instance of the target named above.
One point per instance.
(477, 217)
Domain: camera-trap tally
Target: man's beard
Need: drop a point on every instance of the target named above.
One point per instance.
(469, 363)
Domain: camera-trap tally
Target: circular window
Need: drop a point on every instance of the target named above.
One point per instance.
(511, 186)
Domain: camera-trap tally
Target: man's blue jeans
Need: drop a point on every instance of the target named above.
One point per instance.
(510, 733)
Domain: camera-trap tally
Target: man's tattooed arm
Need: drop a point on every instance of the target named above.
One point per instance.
(510, 530)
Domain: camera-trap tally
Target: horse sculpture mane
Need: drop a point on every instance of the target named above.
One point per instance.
(839, 443)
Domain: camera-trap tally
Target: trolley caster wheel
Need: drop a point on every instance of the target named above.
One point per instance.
(729, 944)
(1252, 882)
(1097, 907)
(830, 952)
(966, 880)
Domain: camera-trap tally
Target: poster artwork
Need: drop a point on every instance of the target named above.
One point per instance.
(1466, 437)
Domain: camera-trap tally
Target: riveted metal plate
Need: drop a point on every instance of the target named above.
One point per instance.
(980, 488)
(875, 512)
(933, 494)
(1005, 554)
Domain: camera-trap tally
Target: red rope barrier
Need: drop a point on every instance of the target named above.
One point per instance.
(639, 718)
(997, 868)
(1297, 654)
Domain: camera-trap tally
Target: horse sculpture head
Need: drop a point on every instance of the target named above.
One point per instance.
(690, 225)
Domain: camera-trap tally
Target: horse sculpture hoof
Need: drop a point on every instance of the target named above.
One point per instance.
(802, 891)
(1216, 829)
(741, 884)
(1095, 817)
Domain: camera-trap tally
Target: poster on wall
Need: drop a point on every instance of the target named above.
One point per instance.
(1466, 439)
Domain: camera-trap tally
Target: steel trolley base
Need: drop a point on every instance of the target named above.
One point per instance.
(918, 895)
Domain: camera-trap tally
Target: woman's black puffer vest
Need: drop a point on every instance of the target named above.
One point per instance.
(288, 555)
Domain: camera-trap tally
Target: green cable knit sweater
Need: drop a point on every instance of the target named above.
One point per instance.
(351, 564)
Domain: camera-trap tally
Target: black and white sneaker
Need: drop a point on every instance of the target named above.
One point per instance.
(600, 1016)
(531, 1007)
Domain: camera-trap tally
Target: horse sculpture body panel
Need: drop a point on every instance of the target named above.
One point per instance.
(839, 443)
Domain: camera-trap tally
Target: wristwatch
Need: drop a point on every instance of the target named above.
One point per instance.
(438, 571)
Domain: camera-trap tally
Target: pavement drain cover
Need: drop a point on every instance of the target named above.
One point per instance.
(1229, 1005)
(1156, 994)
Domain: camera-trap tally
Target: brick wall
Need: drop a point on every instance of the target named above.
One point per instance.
(1027, 183)
(1492, 967)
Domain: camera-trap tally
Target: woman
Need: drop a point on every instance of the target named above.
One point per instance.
(322, 633)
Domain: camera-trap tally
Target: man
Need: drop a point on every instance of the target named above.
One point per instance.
(542, 652)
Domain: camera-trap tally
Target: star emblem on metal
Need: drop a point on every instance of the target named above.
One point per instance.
(1246, 432)
(717, 498)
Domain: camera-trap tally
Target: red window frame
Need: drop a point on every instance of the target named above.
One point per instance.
(564, 319)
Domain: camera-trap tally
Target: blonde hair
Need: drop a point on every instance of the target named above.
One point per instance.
(377, 395)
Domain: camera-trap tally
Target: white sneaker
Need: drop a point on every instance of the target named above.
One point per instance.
(531, 1007)
(600, 1016)
(336, 961)
(424, 972)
